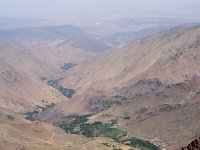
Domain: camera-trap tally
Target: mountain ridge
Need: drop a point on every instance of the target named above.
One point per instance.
(148, 91)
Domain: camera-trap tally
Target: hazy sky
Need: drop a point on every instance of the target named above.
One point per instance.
(64, 8)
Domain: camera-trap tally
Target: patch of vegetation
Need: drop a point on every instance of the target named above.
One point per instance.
(49, 106)
(67, 66)
(65, 91)
(120, 98)
(107, 104)
(10, 117)
(70, 123)
(93, 130)
(53, 83)
(113, 122)
(77, 125)
(112, 101)
(127, 117)
(99, 129)
(141, 144)
(31, 115)
(174, 85)
(115, 133)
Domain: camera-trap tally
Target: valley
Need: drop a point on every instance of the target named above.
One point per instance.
(17, 133)
(67, 87)
(138, 99)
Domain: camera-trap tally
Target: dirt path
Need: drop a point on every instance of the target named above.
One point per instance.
(52, 136)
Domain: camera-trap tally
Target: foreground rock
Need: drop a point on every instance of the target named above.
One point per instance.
(194, 145)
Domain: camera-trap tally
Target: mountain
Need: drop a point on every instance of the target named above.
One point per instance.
(122, 38)
(88, 43)
(151, 87)
(117, 31)
(60, 35)
(169, 56)
(43, 51)
(30, 63)
(42, 59)
(21, 92)
(35, 56)
(166, 114)
(41, 33)
(148, 89)
(20, 134)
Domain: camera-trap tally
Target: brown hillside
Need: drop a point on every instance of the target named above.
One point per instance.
(154, 81)
(172, 56)
(167, 114)
(19, 91)
(42, 59)
(19, 134)
(86, 43)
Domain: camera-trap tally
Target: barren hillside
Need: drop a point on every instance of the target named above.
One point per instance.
(150, 86)
(171, 56)
(22, 92)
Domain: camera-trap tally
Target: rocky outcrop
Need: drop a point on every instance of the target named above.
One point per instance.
(194, 145)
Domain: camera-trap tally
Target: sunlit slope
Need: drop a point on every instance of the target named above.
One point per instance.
(43, 50)
(166, 113)
(22, 92)
(42, 59)
(171, 55)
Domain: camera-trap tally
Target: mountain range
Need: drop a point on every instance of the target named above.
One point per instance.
(140, 94)
(154, 79)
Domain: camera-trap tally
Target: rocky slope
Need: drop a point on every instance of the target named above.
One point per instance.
(154, 82)
(21, 92)
(29, 58)
(171, 56)
(163, 113)
(194, 145)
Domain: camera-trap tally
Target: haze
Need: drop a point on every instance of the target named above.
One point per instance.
(87, 8)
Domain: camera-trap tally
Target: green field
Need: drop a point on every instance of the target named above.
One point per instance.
(78, 125)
